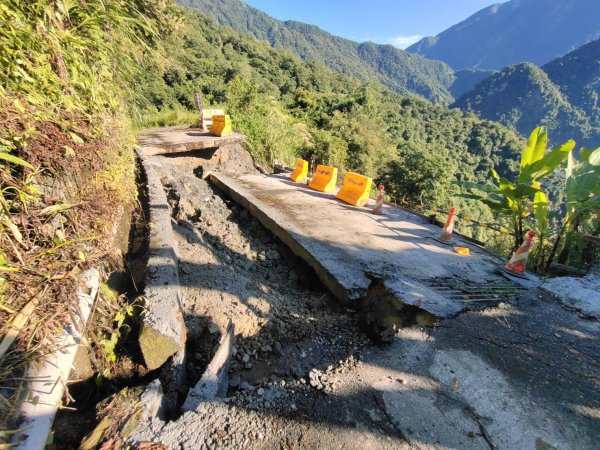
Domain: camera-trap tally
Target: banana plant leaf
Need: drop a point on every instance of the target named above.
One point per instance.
(546, 165)
(535, 148)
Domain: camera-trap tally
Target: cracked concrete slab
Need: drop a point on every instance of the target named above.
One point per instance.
(162, 332)
(341, 243)
(178, 140)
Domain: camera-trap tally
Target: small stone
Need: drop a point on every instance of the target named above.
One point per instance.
(272, 254)
(260, 391)
(235, 381)
(213, 328)
(246, 358)
(266, 348)
(293, 407)
(262, 256)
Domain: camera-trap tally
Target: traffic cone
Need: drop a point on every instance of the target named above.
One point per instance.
(445, 236)
(202, 125)
(378, 208)
(516, 265)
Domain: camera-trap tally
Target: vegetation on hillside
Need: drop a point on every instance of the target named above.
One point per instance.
(523, 96)
(66, 159)
(397, 70)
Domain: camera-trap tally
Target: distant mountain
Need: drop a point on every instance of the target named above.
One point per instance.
(577, 74)
(467, 79)
(523, 96)
(517, 31)
(400, 71)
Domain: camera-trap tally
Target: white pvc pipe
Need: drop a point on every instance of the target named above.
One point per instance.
(48, 377)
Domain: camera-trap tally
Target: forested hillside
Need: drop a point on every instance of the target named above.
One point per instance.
(397, 70)
(563, 95)
(516, 31)
(289, 107)
(577, 74)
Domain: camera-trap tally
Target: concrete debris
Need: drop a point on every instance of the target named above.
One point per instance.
(214, 381)
(163, 330)
(580, 293)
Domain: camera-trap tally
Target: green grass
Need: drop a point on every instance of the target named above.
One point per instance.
(165, 119)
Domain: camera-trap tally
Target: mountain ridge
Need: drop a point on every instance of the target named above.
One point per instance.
(400, 71)
(512, 32)
(562, 95)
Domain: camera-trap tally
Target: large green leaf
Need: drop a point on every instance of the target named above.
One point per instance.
(505, 185)
(523, 191)
(584, 183)
(535, 148)
(547, 164)
(540, 211)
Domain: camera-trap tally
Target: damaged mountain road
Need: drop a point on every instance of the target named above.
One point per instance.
(519, 372)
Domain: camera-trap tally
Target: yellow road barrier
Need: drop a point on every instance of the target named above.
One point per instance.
(221, 125)
(324, 179)
(355, 190)
(300, 172)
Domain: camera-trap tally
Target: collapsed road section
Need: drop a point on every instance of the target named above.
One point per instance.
(350, 248)
(513, 370)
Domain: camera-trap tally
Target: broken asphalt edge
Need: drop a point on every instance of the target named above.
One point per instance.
(49, 376)
(163, 332)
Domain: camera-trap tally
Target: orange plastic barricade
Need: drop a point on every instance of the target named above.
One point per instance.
(355, 190)
(300, 172)
(221, 125)
(324, 179)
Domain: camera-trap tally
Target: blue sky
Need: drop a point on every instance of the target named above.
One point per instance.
(396, 22)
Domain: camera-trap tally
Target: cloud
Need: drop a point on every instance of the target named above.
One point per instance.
(404, 41)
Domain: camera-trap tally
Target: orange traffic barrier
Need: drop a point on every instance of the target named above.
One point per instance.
(355, 189)
(516, 265)
(300, 172)
(324, 179)
(221, 126)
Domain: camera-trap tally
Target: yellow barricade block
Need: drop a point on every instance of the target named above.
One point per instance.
(355, 190)
(324, 179)
(300, 172)
(221, 125)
